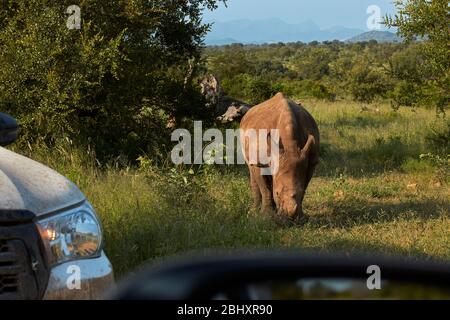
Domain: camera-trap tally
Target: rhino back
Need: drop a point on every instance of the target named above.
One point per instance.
(294, 122)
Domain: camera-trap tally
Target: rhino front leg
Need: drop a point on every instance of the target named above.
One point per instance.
(309, 175)
(266, 189)
(257, 198)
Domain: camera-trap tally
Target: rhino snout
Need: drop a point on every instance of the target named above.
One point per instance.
(291, 204)
(290, 208)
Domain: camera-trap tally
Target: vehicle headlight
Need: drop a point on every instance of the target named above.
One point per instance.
(74, 234)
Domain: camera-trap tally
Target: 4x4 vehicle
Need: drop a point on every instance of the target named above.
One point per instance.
(50, 236)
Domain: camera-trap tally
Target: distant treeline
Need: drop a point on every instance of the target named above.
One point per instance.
(363, 71)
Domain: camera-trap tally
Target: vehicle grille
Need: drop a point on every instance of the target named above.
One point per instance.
(8, 282)
(23, 272)
(8, 271)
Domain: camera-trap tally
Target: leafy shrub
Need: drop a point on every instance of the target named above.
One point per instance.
(441, 162)
(259, 90)
(414, 165)
(94, 85)
(253, 90)
(405, 94)
(307, 89)
(438, 139)
(390, 152)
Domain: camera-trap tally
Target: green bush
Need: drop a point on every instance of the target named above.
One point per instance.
(438, 139)
(417, 165)
(390, 152)
(251, 89)
(97, 84)
(405, 94)
(307, 89)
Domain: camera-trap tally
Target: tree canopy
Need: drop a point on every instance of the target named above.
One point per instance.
(129, 64)
(429, 22)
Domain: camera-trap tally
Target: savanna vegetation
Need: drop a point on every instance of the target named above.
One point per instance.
(373, 192)
(93, 104)
(365, 72)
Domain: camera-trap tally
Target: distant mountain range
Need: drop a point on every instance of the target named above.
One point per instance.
(380, 36)
(276, 30)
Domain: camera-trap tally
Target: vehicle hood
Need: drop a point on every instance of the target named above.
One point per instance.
(28, 185)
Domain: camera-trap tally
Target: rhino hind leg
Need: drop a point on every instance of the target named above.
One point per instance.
(302, 218)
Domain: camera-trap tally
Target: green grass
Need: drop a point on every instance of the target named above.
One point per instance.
(371, 193)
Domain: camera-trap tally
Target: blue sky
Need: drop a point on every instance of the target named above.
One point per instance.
(325, 13)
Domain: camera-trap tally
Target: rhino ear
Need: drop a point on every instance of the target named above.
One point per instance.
(308, 145)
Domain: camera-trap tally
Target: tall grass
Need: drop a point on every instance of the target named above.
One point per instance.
(372, 192)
